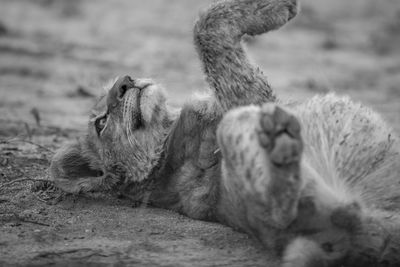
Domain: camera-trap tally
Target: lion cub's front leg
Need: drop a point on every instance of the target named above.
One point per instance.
(261, 150)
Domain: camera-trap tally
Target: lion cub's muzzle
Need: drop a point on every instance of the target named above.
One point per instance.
(119, 89)
(122, 85)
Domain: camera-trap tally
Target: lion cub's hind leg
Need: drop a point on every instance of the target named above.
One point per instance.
(279, 135)
(261, 150)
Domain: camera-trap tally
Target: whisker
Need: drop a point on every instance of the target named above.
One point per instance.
(128, 109)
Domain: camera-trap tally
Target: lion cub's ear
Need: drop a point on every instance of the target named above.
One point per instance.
(71, 164)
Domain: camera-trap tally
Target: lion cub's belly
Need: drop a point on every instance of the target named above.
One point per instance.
(349, 148)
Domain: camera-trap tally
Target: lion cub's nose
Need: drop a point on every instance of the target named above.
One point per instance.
(122, 85)
(117, 92)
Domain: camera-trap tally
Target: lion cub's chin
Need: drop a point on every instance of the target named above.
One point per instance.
(152, 101)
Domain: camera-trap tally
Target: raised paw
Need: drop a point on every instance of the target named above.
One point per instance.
(293, 9)
(280, 135)
(275, 13)
(290, 7)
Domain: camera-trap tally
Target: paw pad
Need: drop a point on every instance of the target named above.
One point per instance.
(280, 135)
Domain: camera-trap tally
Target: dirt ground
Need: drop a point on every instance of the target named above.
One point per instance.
(55, 56)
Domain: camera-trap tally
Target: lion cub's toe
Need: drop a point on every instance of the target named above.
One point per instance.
(280, 135)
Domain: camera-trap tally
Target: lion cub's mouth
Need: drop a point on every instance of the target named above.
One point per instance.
(132, 106)
(140, 121)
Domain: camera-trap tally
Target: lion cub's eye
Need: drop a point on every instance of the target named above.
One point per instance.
(100, 123)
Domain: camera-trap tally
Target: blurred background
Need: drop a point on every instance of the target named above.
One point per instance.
(56, 55)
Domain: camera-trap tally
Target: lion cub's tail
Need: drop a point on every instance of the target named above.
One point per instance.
(217, 36)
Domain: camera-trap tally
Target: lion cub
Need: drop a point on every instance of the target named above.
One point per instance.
(316, 182)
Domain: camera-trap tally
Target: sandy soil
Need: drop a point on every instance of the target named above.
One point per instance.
(56, 55)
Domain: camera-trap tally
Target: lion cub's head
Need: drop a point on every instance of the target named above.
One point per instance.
(126, 133)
